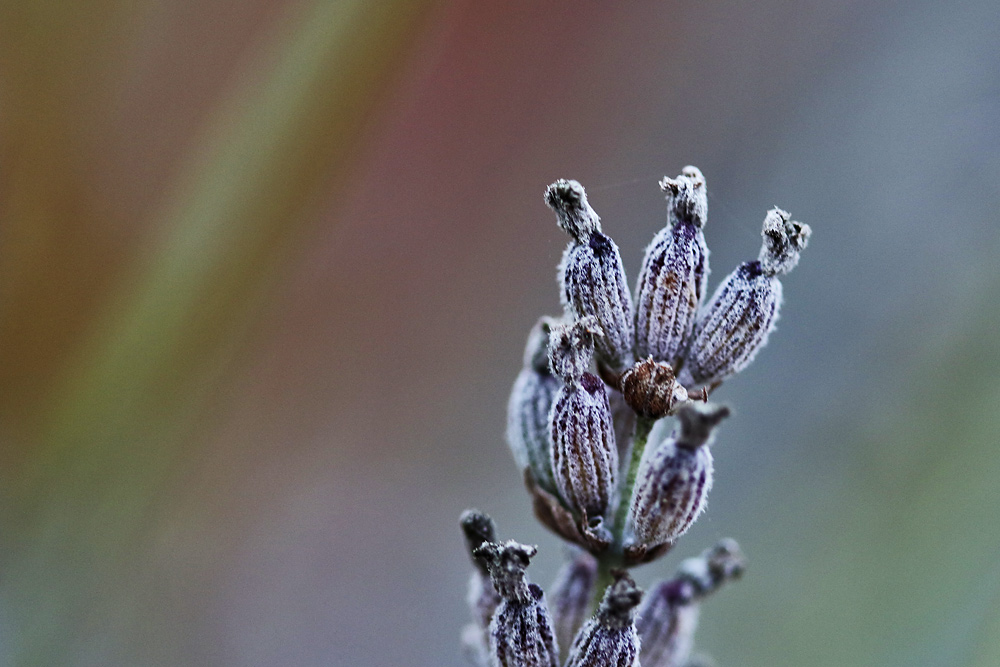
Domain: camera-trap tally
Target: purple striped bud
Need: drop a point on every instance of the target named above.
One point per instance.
(674, 272)
(521, 631)
(668, 616)
(570, 596)
(529, 406)
(610, 637)
(741, 314)
(584, 453)
(591, 274)
(674, 479)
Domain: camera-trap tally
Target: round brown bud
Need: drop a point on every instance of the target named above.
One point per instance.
(651, 390)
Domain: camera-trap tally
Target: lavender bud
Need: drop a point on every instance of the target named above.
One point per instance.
(529, 406)
(610, 637)
(474, 646)
(668, 616)
(674, 479)
(591, 274)
(482, 598)
(649, 389)
(571, 348)
(674, 272)
(570, 596)
(521, 630)
(584, 454)
(666, 622)
(741, 314)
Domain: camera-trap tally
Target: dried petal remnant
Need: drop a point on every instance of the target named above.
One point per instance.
(650, 389)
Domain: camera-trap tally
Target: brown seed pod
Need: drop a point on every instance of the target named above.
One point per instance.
(650, 389)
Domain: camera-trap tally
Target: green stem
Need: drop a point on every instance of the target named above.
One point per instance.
(642, 429)
(613, 557)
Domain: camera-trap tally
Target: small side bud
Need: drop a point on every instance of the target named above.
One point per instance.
(610, 637)
(650, 389)
(591, 275)
(584, 452)
(674, 274)
(673, 481)
(571, 348)
(573, 212)
(784, 239)
(736, 323)
(521, 631)
(570, 596)
(668, 616)
(482, 597)
(529, 405)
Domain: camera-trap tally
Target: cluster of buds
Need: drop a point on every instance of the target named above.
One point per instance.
(608, 471)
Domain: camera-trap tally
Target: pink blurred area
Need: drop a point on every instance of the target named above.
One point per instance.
(311, 518)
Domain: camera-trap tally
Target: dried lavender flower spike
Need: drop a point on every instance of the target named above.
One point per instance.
(736, 323)
(584, 453)
(529, 405)
(591, 275)
(674, 479)
(610, 637)
(521, 630)
(674, 272)
(570, 595)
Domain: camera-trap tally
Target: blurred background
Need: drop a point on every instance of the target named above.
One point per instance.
(267, 267)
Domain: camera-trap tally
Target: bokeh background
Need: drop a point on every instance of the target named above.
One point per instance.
(266, 269)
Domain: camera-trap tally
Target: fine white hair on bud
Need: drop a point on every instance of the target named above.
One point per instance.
(674, 273)
(784, 239)
(573, 212)
(569, 596)
(584, 453)
(529, 405)
(740, 316)
(591, 275)
(521, 630)
(674, 479)
(610, 637)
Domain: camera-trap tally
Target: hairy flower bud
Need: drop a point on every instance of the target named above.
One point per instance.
(521, 631)
(591, 274)
(650, 389)
(668, 616)
(584, 453)
(482, 598)
(741, 314)
(674, 479)
(529, 406)
(570, 596)
(610, 637)
(674, 272)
